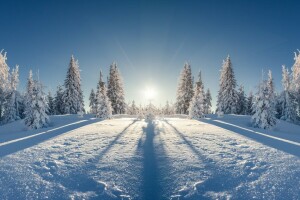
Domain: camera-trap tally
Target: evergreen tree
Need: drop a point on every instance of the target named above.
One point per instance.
(51, 104)
(287, 99)
(73, 96)
(4, 82)
(133, 109)
(263, 107)
(296, 80)
(227, 96)
(242, 101)
(104, 109)
(197, 106)
(208, 105)
(36, 105)
(168, 109)
(184, 90)
(93, 102)
(115, 90)
(249, 106)
(59, 101)
(11, 112)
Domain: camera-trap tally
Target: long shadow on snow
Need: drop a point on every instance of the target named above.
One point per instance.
(271, 142)
(29, 142)
(222, 179)
(80, 181)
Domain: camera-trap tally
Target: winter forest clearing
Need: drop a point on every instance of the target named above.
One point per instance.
(168, 158)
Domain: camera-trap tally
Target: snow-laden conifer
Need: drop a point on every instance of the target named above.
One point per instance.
(197, 105)
(227, 95)
(59, 101)
(249, 105)
(242, 101)
(296, 80)
(36, 105)
(263, 107)
(115, 90)
(104, 109)
(132, 109)
(287, 99)
(208, 98)
(184, 90)
(73, 96)
(93, 102)
(51, 104)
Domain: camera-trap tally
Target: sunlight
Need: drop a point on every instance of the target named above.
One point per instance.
(150, 93)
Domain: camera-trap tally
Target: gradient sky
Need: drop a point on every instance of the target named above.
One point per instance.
(150, 41)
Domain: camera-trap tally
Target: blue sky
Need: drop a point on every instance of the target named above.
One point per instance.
(150, 40)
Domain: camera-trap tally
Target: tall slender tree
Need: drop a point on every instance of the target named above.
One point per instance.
(296, 80)
(73, 96)
(208, 105)
(115, 90)
(4, 81)
(185, 90)
(51, 104)
(59, 101)
(227, 96)
(93, 102)
(242, 101)
(104, 109)
(197, 105)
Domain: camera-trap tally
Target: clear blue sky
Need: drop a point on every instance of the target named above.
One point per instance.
(150, 40)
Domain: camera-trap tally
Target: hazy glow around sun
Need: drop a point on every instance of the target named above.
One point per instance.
(150, 93)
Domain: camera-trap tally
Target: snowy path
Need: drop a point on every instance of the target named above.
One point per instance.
(166, 159)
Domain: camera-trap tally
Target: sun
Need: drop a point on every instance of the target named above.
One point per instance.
(150, 93)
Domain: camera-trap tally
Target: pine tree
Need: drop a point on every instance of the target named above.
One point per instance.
(287, 99)
(185, 90)
(73, 96)
(36, 105)
(242, 101)
(4, 82)
(263, 107)
(104, 109)
(249, 106)
(197, 106)
(93, 102)
(227, 96)
(296, 80)
(58, 101)
(208, 98)
(11, 112)
(51, 104)
(115, 90)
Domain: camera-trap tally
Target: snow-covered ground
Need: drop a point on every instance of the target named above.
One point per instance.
(170, 158)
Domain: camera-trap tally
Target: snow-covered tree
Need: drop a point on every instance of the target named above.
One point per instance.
(59, 101)
(104, 109)
(168, 109)
(4, 81)
(287, 99)
(51, 104)
(73, 96)
(36, 105)
(242, 101)
(93, 102)
(249, 105)
(208, 98)
(197, 105)
(11, 111)
(132, 109)
(185, 90)
(296, 80)
(227, 95)
(263, 107)
(150, 112)
(115, 90)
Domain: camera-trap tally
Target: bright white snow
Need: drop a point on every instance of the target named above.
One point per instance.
(171, 158)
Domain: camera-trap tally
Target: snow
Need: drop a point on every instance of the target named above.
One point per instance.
(168, 158)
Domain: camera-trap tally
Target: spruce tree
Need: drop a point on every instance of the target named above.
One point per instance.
(104, 109)
(168, 109)
(73, 96)
(185, 90)
(227, 96)
(208, 105)
(51, 104)
(115, 90)
(296, 80)
(249, 106)
(58, 101)
(287, 99)
(36, 106)
(93, 103)
(132, 109)
(263, 107)
(242, 101)
(4, 82)
(197, 105)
